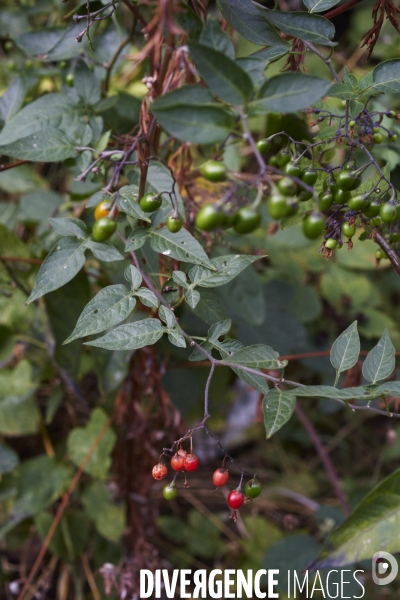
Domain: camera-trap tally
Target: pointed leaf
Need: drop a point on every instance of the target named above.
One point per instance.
(244, 17)
(192, 297)
(147, 297)
(132, 274)
(259, 355)
(180, 278)
(316, 6)
(63, 262)
(222, 75)
(128, 203)
(386, 77)
(210, 307)
(110, 306)
(372, 526)
(181, 245)
(278, 407)
(219, 329)
(227, 349)
(304, 26)
(104, 251)
(289, 92)
(136, 239)
(346, 349)
(225, 269)
(131, 336)
(167, 316)
(71, 227)
(380, 362)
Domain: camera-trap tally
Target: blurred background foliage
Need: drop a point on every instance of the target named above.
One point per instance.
(54, 399)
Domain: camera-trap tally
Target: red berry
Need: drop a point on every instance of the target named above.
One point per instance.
(159, 471)
(235, 499)
(191, 462)
(178, 460)
(220, 477)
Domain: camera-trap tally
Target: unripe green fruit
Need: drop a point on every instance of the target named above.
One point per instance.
(377, 138)
(263, 146)
(253, 488)
(325, 201)
(376, 129)
(228, 220)
(372, 209)
(379, 254)
(376, 221)
(309, 176)
(395, 237)
(284, 156)
(209, 218)
(331, 243)
(246, 220)
(358, 202)
(350, 165)
(213, 170)
(150, 202)
(273, 161)
(174, 224)
(277, 206)
(352, 123)
(391, 114)
(292, 207)
(393, 137)
(287, 186)
(342, 197)
(388, 213)
(117, 156)
(348, 230)
(170, 492)
(348, 181)
(103, 229)
(292, 169)
(330, 184)
(313, 225)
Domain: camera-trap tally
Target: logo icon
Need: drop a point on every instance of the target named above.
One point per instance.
(381, 561)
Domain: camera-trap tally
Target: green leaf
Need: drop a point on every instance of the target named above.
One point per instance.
(72, 227)
(278, 407)
(104, 251)
(71, 536)
(147, 297)
(136, 239)
(63, 262)
(222, 75)
(174, 334)
(316, 6)
(51, 111)
(257, 356)
(225, 269)
(210, 307)
(227, 349)
(219, 329)
(108, 518)
(86, 84)
(346, 394)
(81, 439)
(380, 362)
(372, 526)
(182, 246)
(244, 17)
(41, 481)
(19, 414)
(180, 278)
(8, 459)
(132, 274)
(386, 77)
(112, 305)
(289, 92)
(131, 336)
(192, 297)
(346, 349)
(50, 145)
(128, 203)
(213, 36)
(184, 116)
(342, 91)
(304, 26)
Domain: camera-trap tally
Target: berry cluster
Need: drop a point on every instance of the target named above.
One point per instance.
(182, 461)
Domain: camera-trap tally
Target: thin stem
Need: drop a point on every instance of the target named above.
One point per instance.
(326, 60)
(206, 392)
(250, 139)
(394, 259)
(330, 470)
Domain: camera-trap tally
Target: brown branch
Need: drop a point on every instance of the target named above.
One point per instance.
(12, 165)
(391, 254)
(62, 507)
(330, 470)
(31, 261)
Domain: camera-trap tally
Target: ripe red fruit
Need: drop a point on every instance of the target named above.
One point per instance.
(235, 499)
(220, 477)
(159, 471)
(191, 462)
(178, 460)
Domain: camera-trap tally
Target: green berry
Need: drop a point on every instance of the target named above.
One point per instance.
(174, 224)
(331, 243)
(246, 220)
(213, 170)
(170, 492)
(263, 146)
(313, 225)
(388, 213)
(348, 230)
(377, 138)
